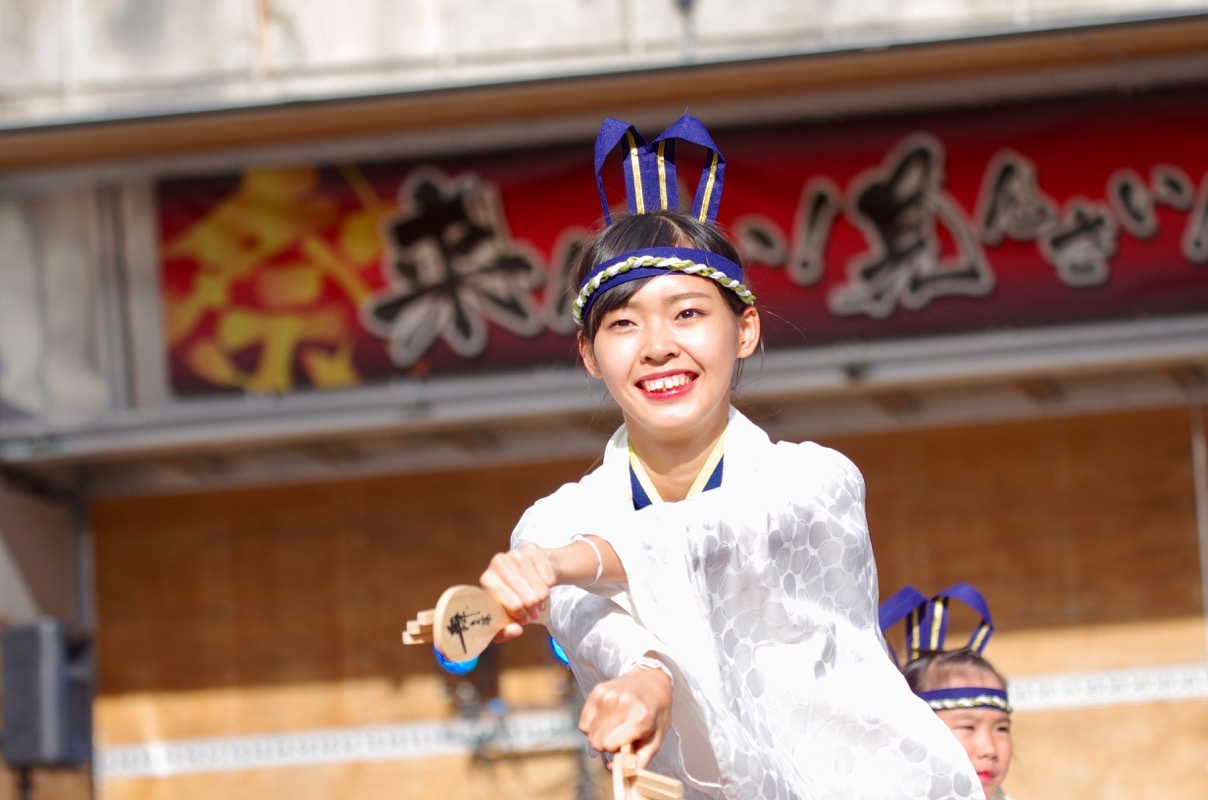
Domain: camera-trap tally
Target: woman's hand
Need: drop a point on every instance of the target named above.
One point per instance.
(520, 580)
(635, 707)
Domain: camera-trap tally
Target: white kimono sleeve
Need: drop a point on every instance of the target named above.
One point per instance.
(765, 592)
(600, 636)
(598, 633)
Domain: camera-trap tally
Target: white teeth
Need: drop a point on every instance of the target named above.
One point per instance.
(665, 384)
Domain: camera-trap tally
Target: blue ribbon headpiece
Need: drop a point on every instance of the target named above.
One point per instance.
(927, 618)
(926, 631)
(650, 185)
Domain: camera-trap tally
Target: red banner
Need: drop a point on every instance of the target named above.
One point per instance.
(1038, 214)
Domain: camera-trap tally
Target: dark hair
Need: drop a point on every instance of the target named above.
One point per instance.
(930, 669)
(637, 231)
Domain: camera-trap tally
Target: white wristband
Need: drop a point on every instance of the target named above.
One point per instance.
(647, 662)
(599, 558)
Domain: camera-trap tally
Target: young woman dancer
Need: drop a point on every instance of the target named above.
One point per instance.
(715, 592)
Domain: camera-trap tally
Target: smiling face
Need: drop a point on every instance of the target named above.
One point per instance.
(667, 357)
(984, 732)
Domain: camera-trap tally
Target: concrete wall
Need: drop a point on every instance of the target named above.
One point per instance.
(73, 59)
(52, 342)
(38, 558)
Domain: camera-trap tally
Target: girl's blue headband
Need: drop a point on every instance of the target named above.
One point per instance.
(650, 185)
(966, 697)
(927, 628)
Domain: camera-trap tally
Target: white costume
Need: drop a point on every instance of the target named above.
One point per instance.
(761, 597)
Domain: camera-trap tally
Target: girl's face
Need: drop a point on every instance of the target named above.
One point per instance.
(667, 357)
(986, 735)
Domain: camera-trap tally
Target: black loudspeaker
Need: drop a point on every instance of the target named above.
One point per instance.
(47, 697)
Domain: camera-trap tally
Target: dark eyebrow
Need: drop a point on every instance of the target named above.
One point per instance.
(687, 296)
(691, 294)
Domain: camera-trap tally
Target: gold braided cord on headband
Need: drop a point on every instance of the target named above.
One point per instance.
(977, 701)
(684, 265)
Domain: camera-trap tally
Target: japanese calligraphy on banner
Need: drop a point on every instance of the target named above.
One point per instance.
(1046, 214)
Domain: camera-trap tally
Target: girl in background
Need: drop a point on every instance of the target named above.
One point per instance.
(961, 686)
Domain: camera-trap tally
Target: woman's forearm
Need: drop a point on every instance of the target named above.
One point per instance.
(587, 560)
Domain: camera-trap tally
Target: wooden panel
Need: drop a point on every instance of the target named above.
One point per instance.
(243, 611)
(784, 79)
(1060, 522)
(552, 777)
(48, 784)
(1116, 753)
(1090, 648)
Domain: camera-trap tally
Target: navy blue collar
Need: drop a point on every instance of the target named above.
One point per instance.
(641, 499)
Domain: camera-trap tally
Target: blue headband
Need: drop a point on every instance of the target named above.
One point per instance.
(654, 261)
(650, 185)
(927, 628)
(966, 697)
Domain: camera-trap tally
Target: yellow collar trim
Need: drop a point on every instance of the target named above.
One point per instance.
(698, 485)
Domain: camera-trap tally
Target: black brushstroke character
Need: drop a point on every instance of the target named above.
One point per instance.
(1172, 186)
(451, 266)
(1135, 206)
(819, 207)
(901, 207)
(461, 622)
(1195, 235)
(1081, 248)
(1011, 204)
(559, 294)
